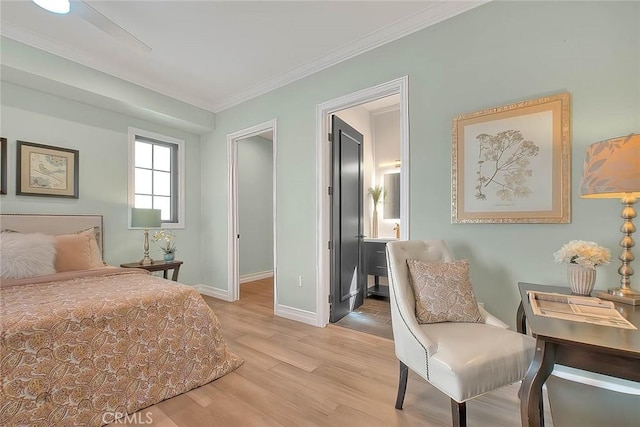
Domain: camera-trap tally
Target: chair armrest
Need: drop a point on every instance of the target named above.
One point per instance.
(490, 319)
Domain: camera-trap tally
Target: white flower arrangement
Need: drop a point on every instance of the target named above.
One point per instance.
(586, 254)
(165, 240)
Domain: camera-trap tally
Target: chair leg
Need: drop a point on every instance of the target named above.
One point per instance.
(402, 385)
(459, 413)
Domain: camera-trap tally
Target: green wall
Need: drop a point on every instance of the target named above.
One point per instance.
(496, 54)
(255, 205)
(100, 136)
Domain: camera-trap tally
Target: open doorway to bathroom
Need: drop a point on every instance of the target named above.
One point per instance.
(379, 122)
(324, 111)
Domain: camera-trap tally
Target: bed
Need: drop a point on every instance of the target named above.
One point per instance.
(78, 347)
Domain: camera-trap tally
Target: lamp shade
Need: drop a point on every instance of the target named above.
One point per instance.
(145, 218)
(612, 168)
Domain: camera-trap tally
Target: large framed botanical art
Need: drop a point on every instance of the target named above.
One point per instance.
(511, 164)
(3, 165)
(43, 170)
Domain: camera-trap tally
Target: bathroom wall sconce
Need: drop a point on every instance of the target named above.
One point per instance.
(395, 164)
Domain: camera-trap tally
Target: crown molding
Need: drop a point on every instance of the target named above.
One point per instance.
(427, 17)
(434, 13)
(101, 64)
(14, 32)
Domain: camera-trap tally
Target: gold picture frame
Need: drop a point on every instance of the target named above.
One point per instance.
(43, 170)
(512, 164)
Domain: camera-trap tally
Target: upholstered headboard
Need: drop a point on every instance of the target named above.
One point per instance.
(52, 224)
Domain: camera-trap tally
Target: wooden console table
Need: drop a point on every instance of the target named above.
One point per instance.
(603, 349)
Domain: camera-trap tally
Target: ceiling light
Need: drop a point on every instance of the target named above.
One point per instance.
(55, 6)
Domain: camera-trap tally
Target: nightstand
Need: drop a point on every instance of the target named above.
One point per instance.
(159, 265)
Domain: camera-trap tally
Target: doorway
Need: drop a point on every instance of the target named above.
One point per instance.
(252, 207)
(323, 235)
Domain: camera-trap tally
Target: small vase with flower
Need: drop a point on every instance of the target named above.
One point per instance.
(166, 241)
(582, 258)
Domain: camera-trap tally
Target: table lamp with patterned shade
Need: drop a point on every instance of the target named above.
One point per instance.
(146, 218)
(612, 170)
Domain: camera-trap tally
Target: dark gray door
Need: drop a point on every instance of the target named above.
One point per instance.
(346, 219)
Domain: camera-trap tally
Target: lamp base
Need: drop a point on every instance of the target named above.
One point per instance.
(621, 295)
(146, 261)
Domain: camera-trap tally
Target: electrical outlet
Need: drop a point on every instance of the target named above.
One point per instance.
(300, 281)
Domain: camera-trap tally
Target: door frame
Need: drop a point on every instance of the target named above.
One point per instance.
(233, 272)
(323, 174)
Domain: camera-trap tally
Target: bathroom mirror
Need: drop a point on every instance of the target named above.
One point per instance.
(392, 196)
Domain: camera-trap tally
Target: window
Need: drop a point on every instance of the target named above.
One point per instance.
(156, 180)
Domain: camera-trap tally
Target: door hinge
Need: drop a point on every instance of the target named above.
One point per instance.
(330, 191)
(329, 299)
(329, 245)
(330, 137)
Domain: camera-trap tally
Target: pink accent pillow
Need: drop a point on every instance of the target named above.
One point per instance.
(443, 292)
(77, 252)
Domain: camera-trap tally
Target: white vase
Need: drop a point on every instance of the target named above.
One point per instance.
(581, 279)
(374, 223)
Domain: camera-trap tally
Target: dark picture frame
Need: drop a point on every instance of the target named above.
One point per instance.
(45, 170)
(3, 165)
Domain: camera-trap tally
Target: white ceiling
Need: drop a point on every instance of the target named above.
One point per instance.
(383, 104)
(216, 54)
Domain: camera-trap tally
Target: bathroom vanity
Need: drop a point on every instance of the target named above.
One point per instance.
(375, 264)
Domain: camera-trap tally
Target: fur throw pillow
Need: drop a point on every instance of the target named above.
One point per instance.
(26, 255)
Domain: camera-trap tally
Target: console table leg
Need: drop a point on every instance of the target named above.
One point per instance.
(521, 320)
(531, 389)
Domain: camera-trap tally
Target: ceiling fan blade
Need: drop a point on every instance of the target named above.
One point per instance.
(97, 19)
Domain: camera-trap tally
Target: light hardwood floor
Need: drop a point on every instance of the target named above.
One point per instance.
(299, 375)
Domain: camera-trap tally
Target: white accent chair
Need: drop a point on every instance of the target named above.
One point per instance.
(463, 360)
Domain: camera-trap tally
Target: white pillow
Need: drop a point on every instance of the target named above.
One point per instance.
(26, 255)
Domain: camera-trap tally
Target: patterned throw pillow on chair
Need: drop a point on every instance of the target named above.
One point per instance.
(443, 292)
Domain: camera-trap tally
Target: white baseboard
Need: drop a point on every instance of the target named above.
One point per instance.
(287, 312)
(297, 314)
(256, 276)
(213, 292)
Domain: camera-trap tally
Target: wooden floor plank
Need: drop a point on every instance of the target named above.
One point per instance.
(299, 375)
(271, 405)
(278, 352)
